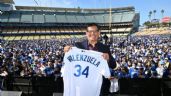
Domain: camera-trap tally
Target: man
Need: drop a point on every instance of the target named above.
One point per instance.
(92, 43)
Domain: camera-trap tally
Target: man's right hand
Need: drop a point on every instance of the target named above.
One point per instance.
(67, 48)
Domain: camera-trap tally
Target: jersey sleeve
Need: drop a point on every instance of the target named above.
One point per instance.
(104, 68)
(66, 65)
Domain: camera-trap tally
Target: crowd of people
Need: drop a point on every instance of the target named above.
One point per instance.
(142, 57)
(32, 57)
(136, 57)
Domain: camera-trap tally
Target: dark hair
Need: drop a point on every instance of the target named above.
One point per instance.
(93, 24)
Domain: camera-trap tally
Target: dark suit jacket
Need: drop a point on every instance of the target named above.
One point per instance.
(100, 48)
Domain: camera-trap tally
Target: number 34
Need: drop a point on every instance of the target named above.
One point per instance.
(80, 71)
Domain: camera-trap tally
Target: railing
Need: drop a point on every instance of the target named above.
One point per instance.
(33, 86)
(145, 87)
(46, 86)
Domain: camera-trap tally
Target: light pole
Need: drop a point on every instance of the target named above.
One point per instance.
(110, 22)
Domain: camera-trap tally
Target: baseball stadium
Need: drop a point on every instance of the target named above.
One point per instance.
(32, 39)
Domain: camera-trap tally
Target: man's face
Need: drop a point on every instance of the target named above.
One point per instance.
(92, 34)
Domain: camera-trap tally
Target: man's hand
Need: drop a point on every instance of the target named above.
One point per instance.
(67, 48)
(106, 56)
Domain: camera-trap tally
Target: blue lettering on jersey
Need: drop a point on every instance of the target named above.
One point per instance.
(80, 71)
(86, 58)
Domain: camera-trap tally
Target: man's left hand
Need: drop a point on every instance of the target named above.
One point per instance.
(106, 56)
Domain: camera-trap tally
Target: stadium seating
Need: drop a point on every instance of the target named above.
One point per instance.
(50, 17)
(26, 17)
(153, 31)
(55, 17)
(31, 23)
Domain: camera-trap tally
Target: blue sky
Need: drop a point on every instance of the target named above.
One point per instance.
(141, 6)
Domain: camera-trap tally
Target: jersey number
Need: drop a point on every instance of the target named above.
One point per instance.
(80, 71)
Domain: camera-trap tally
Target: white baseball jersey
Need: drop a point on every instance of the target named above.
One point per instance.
(82, 72)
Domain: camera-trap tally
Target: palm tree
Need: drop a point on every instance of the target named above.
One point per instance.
(162, 12)
(150, 13)
(154, 12)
